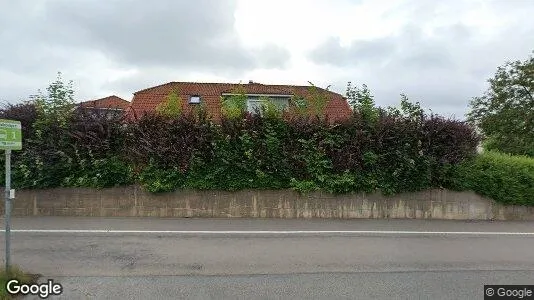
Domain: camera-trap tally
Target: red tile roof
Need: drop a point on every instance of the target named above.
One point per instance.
(146, 100)
(107, 102)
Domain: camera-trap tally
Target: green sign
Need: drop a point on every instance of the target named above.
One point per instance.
(10, 135)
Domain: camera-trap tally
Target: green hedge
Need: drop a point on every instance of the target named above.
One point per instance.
(388, 153)
(502, 177)
(373, 150)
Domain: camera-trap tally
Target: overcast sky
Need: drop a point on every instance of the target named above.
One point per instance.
(437, 52)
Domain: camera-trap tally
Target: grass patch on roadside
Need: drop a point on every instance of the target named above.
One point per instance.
(14, 273)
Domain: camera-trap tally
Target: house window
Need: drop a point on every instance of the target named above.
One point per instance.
(194, 99)
(254, 104)
(282, 103)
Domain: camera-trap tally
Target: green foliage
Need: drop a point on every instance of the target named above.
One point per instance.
(358, 97)
(270, 109)
(235, 105)
(391, 151)
(310, 104)
(158, 179)
(303, 186)
(299, 105)
(45, 160)
(502, 177)
(99, 173)
(47, 169)
(64, 146)
(392, 154)
(172, 106)
(362, 101)
(55, 106)
(341, 183)
(247, 154)
(317, 165)
(14, 272)
(505, 113)
(317, 100)
(409, 110)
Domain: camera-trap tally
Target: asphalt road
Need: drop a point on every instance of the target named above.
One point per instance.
(97, 258)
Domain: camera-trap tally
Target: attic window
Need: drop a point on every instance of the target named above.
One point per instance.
(194, 99)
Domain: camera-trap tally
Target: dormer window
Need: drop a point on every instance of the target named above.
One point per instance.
(195, 99)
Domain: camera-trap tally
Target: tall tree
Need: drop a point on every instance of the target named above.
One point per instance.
(48, 152)
(55, 107)
(505, 112)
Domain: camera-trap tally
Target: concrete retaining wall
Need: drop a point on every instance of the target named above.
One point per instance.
(133, 202)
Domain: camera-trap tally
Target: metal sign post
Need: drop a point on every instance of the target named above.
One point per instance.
(8, 210)
(10, 139)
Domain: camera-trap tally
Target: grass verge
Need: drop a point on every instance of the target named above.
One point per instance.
(14, 273)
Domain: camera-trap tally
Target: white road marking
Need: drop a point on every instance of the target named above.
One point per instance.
(283, 232)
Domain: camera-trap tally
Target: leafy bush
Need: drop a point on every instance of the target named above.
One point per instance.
(100, 173)
(45, 169)
(234, 106)
(502, 177)
(375, 150)
(244, 153)
(66, 146)
(303, 186)
(317, 100)
(270, 109)
(157, 179)
(169, 142)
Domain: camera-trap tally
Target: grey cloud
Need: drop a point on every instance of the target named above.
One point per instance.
(176, 34)
(443, 70)
(324, 53)
(41, 37)
(366, 51)
(272, 56)
(189, 34)
(455, 33)
(410, 46)
(426, 57)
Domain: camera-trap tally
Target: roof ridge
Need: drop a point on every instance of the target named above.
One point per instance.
(185, 82)
(228, 83)
(104, 99)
